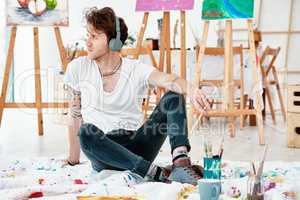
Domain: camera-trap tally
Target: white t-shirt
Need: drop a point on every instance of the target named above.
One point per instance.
(119, 109)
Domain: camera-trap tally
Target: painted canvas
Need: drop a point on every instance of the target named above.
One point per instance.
(227, 9)
(37, 12)
(164, 5)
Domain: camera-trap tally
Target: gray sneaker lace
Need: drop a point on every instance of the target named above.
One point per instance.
(192, 172)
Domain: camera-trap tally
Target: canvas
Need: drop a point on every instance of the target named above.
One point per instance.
(37, 12)
(165, 5)
(227, 9)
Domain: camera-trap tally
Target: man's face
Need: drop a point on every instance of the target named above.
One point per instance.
(97, 44)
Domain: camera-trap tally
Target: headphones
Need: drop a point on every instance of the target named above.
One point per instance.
(115, 44)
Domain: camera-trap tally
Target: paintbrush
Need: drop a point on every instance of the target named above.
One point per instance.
(210, 150)
(253, 168)
(221, 148)
(261, 165)
(210, 107)
(205, 149)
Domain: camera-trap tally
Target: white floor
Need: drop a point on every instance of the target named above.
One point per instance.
(19, 139)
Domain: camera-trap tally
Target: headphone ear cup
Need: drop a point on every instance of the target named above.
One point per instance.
(115, 44)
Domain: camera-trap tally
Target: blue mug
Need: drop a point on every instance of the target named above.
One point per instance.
(209, 189)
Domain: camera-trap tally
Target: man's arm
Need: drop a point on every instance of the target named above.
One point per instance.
(75, 121)
(176, 84)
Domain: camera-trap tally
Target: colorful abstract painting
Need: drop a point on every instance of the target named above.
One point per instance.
(166, 5)
(227, 9)
(37, 12)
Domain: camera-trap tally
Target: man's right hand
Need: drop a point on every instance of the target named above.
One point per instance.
(70, 162)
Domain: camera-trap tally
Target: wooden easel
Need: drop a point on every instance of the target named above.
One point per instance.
(238, 83)
(38, 104)
(228, 109)
(164, 49)
(267, 82)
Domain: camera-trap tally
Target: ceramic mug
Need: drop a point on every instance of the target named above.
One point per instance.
(209, 189)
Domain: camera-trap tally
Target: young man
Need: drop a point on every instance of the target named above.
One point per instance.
(105, 107)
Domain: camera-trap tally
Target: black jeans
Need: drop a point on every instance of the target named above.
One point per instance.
(135, 150)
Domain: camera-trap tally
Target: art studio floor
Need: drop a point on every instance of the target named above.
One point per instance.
(19, 138)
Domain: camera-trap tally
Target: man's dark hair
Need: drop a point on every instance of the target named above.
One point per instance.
(104, 19)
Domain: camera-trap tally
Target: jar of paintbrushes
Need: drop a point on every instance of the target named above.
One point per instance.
(212, 161)
(255, 184)
(255, 188)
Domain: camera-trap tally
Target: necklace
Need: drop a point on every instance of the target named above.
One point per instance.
(105, 76)
(116, 68)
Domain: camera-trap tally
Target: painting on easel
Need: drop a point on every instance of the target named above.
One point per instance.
(165, 5)
(227, 9)
(37, 12)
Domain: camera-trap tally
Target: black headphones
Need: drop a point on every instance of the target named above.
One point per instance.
(115, 44)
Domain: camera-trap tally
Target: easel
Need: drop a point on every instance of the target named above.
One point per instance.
(267, 83)
(38, 104)
(164, 49)
(238, 83)
(228, 109)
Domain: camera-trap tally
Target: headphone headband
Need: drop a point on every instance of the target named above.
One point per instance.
(118, 35)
